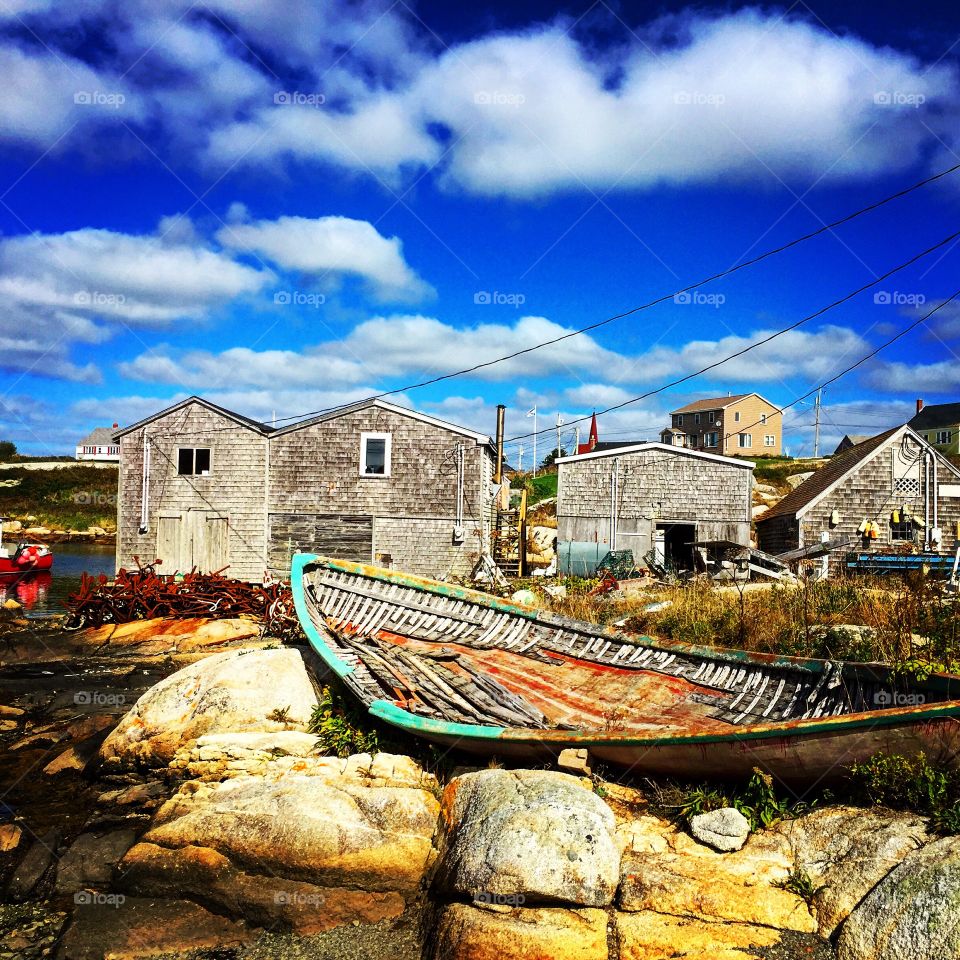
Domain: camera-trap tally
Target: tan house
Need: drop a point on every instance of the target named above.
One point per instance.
(741, 425)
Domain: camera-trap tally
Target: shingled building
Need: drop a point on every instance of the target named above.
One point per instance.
(203, 487)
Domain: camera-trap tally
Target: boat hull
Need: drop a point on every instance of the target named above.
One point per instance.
(41, 561)
(421, 656)
(804, 757)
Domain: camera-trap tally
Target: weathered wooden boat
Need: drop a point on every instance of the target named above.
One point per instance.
(486, 675)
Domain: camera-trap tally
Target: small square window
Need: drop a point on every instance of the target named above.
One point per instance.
(736, 416)
(374, 454)
(763, 418)
(769, 440)
(193, 461)
(902, 530)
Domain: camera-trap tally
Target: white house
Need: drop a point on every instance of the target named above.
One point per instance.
(100, 445)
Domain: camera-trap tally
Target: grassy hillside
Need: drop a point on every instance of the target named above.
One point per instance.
(72, 498)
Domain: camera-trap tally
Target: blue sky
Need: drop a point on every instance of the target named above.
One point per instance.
(284, 206)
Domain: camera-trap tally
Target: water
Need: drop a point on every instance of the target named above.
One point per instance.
(42, 594)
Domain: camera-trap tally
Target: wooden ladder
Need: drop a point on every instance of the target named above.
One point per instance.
(510, 539)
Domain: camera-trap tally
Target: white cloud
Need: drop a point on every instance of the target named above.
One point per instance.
(812, 355)
(43, 96)
(415, 347)
(72, 288)
(689, 98)
(895, 376)
(331, 245)
(139, 279)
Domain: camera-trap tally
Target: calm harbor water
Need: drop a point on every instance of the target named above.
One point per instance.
(42, 594)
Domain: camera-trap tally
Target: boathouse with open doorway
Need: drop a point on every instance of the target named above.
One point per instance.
(652, 498)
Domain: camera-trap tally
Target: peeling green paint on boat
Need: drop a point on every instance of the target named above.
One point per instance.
(300, 561)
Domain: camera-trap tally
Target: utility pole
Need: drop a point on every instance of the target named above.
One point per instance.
(533, 413)
(559, 448)
(816, 423)
(576, 439)
(520, 459)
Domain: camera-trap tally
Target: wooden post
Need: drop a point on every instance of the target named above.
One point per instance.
(498, 472)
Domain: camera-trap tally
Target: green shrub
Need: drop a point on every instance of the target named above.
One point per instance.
(757, 800)
(925, 786)
(341, 727)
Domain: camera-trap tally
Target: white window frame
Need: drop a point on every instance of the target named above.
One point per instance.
(696, 418)
(387, 451)
(944, 436)
(763, 418)
(736, 416)
(711, 439)
(209, 473)
(744, 440)
(769, 440)
(679, 419)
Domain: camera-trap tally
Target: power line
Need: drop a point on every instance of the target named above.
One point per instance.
(652, 303)
(671, 456)
(690, 376)
(773, 336)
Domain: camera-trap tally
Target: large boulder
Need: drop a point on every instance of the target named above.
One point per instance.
(127, 928)
(255, 690)
(655, 936)
(666, 871)
(913, 912)
(307, 851)
(482, 933)
(535, 834)
(847, 851)
(167, 635)
(91, 859)
(219, 756)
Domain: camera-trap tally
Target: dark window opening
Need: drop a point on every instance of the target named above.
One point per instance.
(193, 461)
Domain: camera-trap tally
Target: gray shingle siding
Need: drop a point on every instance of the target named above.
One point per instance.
(302, 489)
(655, 486)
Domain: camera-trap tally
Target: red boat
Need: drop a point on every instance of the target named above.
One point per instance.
(25, 558)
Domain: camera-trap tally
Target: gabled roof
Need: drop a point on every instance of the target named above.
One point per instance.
(718, 403)
(267, 430)
(243, 421)
(800, 499)
(481, 438)
(671, 451)
(936, 415)
(100, 436)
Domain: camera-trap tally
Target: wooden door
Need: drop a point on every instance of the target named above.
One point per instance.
(193, 539)
(169, 540)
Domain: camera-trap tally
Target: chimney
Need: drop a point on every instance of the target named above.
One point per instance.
(919, 404)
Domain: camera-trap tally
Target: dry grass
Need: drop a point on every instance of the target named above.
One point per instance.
(912, 621)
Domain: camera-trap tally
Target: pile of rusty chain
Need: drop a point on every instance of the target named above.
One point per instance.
(143, 594)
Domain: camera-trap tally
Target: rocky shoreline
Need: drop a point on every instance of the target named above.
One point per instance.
(14, 529)
(166, 800)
